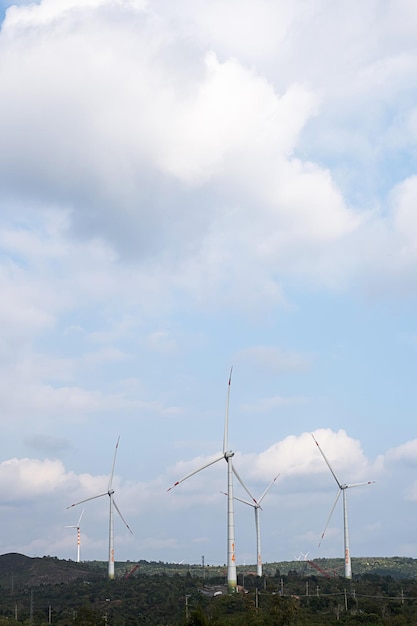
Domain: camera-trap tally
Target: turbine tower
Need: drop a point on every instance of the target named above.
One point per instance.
(342, 488)
(77, 526)
(228, 456)
(256, 504)
(113, 505)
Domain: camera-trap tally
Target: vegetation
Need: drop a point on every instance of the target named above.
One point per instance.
(157, 594)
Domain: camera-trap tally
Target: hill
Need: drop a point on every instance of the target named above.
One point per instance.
(45, 590)
(17, 570)
(395, 566)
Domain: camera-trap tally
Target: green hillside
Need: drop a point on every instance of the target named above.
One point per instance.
(43, 591)
(19, 570)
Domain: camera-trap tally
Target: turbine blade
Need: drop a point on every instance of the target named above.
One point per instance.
(114, 462)
(267, 489)
(87, 499)
(79, 519)
(235, 472)
(369, 482)
(196, 471)
(121, 517)
(328, 464)
(244, 501)
(240, 500)
(339, 491)
(226, 420)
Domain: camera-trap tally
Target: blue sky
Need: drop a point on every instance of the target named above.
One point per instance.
(183, 189)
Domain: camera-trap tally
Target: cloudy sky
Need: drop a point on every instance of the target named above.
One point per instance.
(186, 188)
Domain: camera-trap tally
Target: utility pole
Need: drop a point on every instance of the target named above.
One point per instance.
(186, 608)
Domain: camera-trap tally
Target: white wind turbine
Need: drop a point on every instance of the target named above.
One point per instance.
(256, 504)
(342, 487)
(227, 455)
(110, 493)
(77, 526)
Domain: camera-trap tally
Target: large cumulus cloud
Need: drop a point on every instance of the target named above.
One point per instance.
(156, 144)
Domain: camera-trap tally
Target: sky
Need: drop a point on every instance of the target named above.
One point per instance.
(187, 187)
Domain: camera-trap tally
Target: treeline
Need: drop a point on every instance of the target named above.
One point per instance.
(396, 566)
(290, 599)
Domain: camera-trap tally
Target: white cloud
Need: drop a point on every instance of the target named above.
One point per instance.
(232, 119)
(297, 455)
(26, 479)
(104, 146)
(191, 167)
(406, 452)
(49, 11)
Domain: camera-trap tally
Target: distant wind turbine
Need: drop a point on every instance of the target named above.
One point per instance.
(77, 526)
(342, 487)
(256, 504)
(227, 455)
(110, 493)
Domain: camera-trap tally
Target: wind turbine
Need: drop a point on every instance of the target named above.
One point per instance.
(77, 526)
(113, 505)
(227, 455)
(256, 504)
(342, 487)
